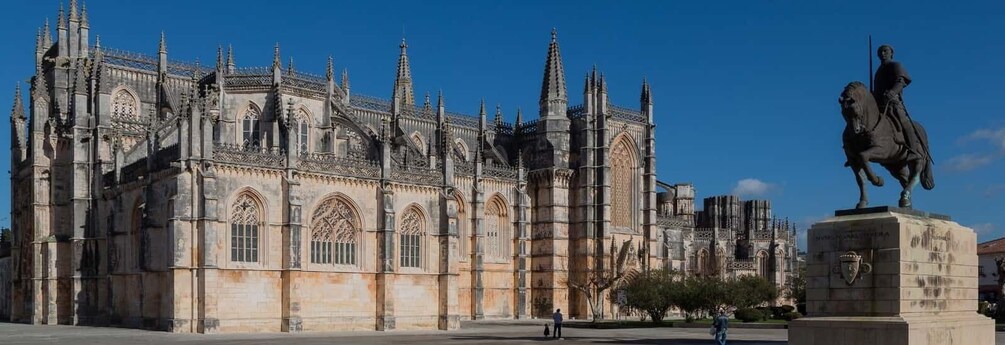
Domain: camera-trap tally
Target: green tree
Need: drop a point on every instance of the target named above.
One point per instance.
(651, 292)
(749, 291)
(796, 290)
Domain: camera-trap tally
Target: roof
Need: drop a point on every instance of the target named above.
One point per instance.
(991, 247)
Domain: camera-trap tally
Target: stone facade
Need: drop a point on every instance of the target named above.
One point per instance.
(729, 237)
(167, 195)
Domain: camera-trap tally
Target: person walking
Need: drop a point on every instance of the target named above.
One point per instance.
(721, 324)
(557, 317)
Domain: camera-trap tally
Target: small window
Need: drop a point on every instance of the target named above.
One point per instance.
(412, 231)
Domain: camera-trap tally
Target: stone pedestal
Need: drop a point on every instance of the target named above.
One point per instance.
(891, 276)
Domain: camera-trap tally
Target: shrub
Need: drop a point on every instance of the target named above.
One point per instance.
(748, 315)
(788, 308)
(791, 316)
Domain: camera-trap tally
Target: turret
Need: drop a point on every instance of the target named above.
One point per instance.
(61, 35)
(230, 59)
(646, 101)
(553, 126)
(85, 29)
(162, 54)
(74, 29)
(403, 97)
(18, 130)
(499, 116)
(277, 73)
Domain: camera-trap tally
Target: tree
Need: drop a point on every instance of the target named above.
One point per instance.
(599, 280)
(651, 292)
(749, 291)
(797, 287)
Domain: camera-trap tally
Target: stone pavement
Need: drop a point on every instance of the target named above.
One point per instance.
(471, 333)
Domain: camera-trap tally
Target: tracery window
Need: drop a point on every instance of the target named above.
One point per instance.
(124, 104)
(702, 262)
(334, 231)
(497, 230)
(460, 150)
(419, 143)
(303, 129)
(251, 129)
(624, 167)
(410, 235)
(245, 222)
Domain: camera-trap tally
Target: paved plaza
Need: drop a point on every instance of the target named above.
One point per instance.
(471, 333)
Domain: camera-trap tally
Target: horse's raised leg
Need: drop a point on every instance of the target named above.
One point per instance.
(863, 198)
(864, 157)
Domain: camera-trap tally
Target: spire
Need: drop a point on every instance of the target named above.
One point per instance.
(230, 58)
(519, 118)
(97, 42)
(603, 83)
(345, 79)
(499, 116)
(646, 97)
(427, 105)
(403, 81)
(38, 42)
(553, 86)
(83, 16)
(197, 71)
(439, 99)
(17, 111)
(290, 66)
(219, 57)
(46, 35)
(162, 47)
(61, 19)
(73, 11)
(481, 115)
(275, 57)
(330, 71)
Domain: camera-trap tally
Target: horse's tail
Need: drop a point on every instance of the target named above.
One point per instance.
(927, 180)
(927, 175)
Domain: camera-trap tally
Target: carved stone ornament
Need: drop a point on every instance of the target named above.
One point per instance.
(851, 267)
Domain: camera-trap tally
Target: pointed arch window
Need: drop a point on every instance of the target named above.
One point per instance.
(410, 236)
(124, 105)
(250, 128)
(334, 233)
(702, 262)
(624, 168)
(303, 131)
(762, 264)
(497, 230)
(419, 142)
(245, 223)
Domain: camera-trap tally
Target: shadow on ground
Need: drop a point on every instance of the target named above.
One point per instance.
(686, 341)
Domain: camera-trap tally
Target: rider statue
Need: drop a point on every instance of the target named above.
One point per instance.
(891, 79)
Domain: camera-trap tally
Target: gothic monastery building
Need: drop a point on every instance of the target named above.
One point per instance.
(159, 194)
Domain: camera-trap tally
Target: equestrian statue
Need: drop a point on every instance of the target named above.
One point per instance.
(879, 130)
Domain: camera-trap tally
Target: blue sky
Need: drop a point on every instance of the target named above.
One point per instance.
(745, 91)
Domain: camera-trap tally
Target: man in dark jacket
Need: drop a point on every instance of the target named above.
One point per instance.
(721, 324)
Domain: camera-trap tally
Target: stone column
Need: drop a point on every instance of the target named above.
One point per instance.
(292, 251)
(550, 241)
(448, 269)
(385, 263)
(477, 244)
(209, 227)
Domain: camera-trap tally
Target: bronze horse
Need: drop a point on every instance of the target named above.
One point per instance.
(872, 136)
